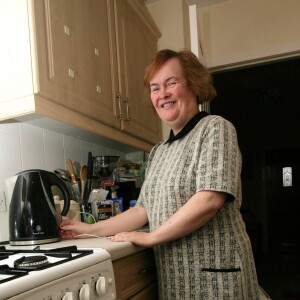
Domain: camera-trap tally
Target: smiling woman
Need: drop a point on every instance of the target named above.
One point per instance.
(191, 195)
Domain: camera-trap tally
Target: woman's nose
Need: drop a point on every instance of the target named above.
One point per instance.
(164, 93)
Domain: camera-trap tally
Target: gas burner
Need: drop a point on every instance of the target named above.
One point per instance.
(7, 274)
(31, 262)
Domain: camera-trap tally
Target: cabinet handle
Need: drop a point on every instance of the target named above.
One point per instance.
(146, 270)
(127, 111)
(119, 98)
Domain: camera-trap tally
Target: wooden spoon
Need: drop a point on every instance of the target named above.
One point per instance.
(83, 179)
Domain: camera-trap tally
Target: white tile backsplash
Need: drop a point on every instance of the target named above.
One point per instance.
(72, 149)
(85, 148)
(54, 150)
(10, 151)
(10, 128)
(32, 147)
(24, 147)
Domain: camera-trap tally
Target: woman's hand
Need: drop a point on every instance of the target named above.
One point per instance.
(70, 229)
(142, 239)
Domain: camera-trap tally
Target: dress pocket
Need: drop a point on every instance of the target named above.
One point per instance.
(223, 283)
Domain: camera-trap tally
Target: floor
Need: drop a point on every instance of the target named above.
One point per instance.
(279, 275)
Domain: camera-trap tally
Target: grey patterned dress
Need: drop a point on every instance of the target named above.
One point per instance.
(216, 261)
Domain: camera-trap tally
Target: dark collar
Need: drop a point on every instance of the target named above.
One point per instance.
(187, 128)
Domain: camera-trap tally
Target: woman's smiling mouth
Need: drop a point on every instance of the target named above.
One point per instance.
(167, 104)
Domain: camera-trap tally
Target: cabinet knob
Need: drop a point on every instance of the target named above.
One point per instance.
(71, 73)
(97, 52)
(67, 30)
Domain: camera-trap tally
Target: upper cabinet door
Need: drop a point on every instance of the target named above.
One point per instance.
(76, 62)
(137, 38)
(81, 63)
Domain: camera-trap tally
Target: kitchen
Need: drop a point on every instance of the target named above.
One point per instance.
(29, 146)
(71, 128)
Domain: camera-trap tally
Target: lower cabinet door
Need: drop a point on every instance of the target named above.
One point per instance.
(134, 273)
(148, 293)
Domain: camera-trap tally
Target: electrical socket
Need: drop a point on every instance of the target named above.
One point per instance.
(2, 202)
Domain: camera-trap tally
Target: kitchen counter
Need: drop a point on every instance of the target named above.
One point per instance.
(115, 249)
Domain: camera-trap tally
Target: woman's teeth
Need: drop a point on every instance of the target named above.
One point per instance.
(167, 104)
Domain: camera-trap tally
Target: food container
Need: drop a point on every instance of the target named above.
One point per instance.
(102, 210)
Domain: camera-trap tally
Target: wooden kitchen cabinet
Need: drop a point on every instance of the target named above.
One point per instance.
(82, 63)
(76, 56)
(136, 40)
(135, 276)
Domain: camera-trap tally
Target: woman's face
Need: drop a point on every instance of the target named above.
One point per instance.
(171, 97)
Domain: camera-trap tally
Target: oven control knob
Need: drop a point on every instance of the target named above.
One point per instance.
(68, 296)
(85, 292)
(102, 286)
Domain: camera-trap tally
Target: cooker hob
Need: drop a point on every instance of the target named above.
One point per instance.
(17, 263)
(55, 273)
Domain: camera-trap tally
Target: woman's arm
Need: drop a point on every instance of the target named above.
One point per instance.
(194, 214)
(132, 219)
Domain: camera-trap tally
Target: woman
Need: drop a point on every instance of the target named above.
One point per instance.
(191, 196)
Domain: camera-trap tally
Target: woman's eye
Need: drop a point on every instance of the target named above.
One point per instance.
(154, 89)
(171, 83)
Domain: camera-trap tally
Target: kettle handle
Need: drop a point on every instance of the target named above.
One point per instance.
(53, 179)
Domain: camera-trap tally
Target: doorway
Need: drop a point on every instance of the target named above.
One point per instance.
(263, 103)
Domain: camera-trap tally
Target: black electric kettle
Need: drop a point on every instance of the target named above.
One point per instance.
(32, 214)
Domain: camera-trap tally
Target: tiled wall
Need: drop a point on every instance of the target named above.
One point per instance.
(24, 147)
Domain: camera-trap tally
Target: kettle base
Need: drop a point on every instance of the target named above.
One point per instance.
(33, 242)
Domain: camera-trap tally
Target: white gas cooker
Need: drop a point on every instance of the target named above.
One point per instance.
(63, 272)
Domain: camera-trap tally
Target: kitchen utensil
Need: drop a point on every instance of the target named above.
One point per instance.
(88, 188)
(104, 166)
(83, 180)
(75, 184)
(32, 214)
(63, 174)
